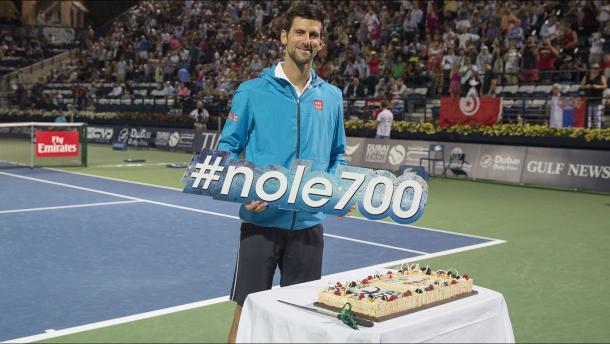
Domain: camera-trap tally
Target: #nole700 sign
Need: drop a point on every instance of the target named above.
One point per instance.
(378, 194)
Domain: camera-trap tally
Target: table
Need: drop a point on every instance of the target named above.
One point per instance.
(479, 318)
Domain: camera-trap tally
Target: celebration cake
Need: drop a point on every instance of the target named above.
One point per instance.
(382, 296)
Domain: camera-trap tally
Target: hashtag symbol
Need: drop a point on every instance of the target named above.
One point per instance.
(207, 172)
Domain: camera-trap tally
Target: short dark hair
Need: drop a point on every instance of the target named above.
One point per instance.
(303, 10)
(384, 103)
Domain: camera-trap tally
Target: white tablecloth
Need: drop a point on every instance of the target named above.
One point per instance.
(479, 318)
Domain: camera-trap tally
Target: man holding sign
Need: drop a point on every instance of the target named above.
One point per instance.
(287, 113)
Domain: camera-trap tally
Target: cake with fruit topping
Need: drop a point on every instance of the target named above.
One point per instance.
(398, 292)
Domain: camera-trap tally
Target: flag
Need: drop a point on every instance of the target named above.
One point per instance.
(574, 112)
(471, 109)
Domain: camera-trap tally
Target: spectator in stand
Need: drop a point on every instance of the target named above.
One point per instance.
(384, 121)
(169, 89)
(512, 62)
(529, 62)
(201, 116)
(490, 79)
(143, 46)
(549, 29)
(399, 89)
(184, 91)
(117, 91)
(183, 74)
(467, 72)
(597, 48)
(374, 69)
(447, 62)
(594, 84)
(570, 40)
(483, 58)
(546, 54)
(121, 70)
(354, 89)
(455, 88)
(567, 68)
(381, 88)
(556, 108)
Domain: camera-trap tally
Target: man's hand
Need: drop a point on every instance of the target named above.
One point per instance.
(256, 206)
(349, 212)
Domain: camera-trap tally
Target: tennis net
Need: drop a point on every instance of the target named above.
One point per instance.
(40, 144)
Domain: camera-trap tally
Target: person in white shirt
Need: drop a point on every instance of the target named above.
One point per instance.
(384, 121)
(201, 116)
(116, 92)
(169, 89)
(556, 116)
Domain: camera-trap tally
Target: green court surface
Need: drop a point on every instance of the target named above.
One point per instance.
(552, 270)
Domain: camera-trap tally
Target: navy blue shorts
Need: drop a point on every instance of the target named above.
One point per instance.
(298, 253)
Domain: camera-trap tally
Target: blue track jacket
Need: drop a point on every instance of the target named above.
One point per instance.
(275, 127)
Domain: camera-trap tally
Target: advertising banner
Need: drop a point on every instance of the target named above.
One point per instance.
(205, 140)
(569, 168)
(471, 109)
(56, 144)
(353, 150)
(97, 134)
(174, 139)
(187, 140)
(502, 163)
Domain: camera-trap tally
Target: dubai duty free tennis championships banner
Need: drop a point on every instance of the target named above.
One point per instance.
(378, 194)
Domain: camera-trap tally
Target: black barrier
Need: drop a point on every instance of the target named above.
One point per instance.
(564, 168)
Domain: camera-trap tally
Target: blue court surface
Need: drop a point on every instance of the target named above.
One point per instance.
(78, 249)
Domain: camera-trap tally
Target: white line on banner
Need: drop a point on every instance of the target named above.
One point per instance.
(66, 206)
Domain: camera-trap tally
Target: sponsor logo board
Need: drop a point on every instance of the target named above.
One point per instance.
(51, 144)
(502, 163)
(570, 168)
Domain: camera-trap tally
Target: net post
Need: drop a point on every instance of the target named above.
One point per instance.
(84, 144)
(33, 143)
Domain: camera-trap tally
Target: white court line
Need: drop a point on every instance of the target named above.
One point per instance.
(352, 217)
(135, 164)
(117, 195)
(63, 332)
(113, 179)
(332, 277)
(184, 208)
(374, 243)
(419, 227)
(65, 207)
(111, 322)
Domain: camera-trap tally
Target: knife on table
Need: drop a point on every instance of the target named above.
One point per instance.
(359, 321)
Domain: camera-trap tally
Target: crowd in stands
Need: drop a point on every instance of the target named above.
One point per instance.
(202, 50)
(21, 47)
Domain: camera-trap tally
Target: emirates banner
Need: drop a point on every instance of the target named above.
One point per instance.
(471, 109)
(51, 144)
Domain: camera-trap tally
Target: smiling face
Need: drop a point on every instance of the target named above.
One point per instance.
(302, 41)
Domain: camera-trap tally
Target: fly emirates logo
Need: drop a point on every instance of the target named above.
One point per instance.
(54, 144)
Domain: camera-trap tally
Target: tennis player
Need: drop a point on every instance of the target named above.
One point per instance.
(287, 113)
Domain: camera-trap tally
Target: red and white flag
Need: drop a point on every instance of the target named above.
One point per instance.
(470, 110)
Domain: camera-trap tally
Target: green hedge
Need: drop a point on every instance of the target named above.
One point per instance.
(523, 130)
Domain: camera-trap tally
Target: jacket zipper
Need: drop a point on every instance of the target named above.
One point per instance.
(294, 213)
